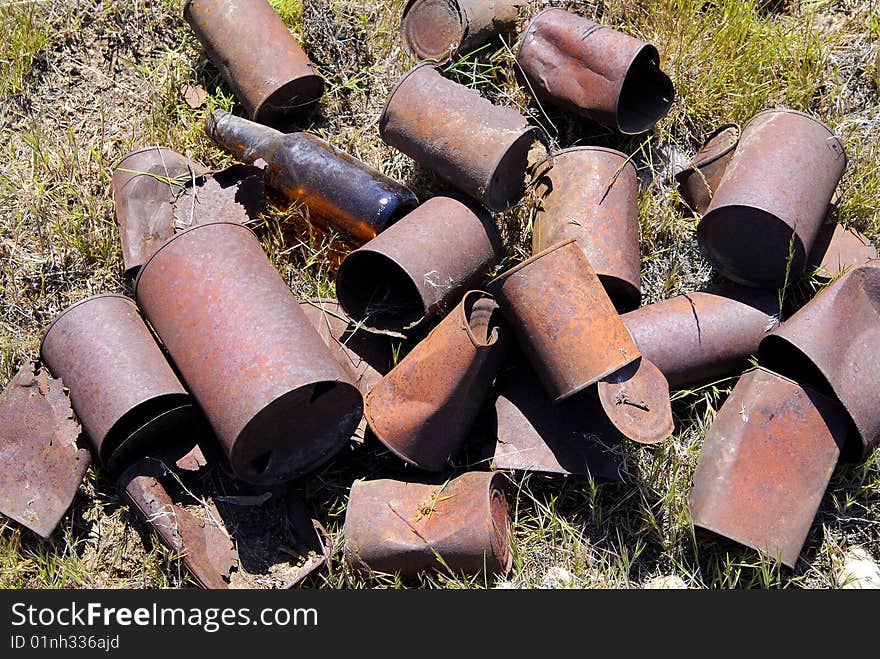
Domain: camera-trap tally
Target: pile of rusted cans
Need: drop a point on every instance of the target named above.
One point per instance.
(546, 367)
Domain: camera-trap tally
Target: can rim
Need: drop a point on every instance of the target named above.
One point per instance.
(520, 266)
(697, 164)
(397, 87)
(73, 306)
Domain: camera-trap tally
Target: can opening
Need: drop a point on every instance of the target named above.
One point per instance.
(508, 183)
(290, 101)
(646, 94)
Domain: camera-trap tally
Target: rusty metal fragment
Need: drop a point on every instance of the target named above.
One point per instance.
(278, 401)
(698, 181)
(234, 194)
(125, 393)
(258, 56)
(418, 267)
(699, 337)
(479, 148)
(40, 464)
(441, 29)
(636, 400)
(766, 462)
(838, 249)
(456, 525)
(339, 191)
(564, 320)
(594, 71)
(423, 410)
(591, 194)
(832, 344)
(773, 199)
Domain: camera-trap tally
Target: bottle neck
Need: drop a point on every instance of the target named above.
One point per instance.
(246, 140)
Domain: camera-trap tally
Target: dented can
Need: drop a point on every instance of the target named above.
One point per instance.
(441, 29)
(838, 249)
(278, 401)
(407, 528)
(258, 56)
(564, 320)
(592, 194)
(773, 199)
(418, 267)
(122, 388)
(833, 345)
(766, 463)
(698, 181)
(594, 71)
(423, 410)
(479, 148)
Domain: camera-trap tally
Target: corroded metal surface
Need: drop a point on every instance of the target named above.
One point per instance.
(564, 320)
(699, 337)
(278, 401)
(339, 191)
(698, 181)
(772, 199)
(833, 344)
(636, 401)
(397, 527)
(766, 462)
(838, 249)
(258, 56)
(123, 390)
(420, 266)
(592, 194)
(40, 464)
(595, 71)
(479, 148)
(234, 194)
(425, 407)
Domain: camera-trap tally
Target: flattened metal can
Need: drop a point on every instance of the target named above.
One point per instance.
(833, 344)
(279, 402)
(766, 463)
(564, 320)
(396, 527)
(258, 56)
(420, 266)
(122, 388)
(423, 410)
(441, 29)
(594, 71)
(592, 194)
(772, 199)
(479, 148)
(698, 181)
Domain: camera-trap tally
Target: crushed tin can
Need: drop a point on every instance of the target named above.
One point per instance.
(41, 465)
(591, 194)
(766, 463)
(564, 320)
(424, 409)
(122, 387)
(457, 525)
(698, 181)
(833, 345)
(699, 337)
(234, 194)
(420, 266)
(277, 399)
(339, 191)
(773, 199)
(258, 56)
(838, 249)
(441, 29)
(594, 71)
(636, 400)
(481, 149)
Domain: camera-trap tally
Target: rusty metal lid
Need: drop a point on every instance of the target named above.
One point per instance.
(636, 400)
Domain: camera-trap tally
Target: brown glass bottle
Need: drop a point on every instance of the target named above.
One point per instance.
(341, 192)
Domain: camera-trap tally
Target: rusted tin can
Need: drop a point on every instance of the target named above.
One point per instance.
(594, 71)
(420, 266)
(636, 401)
(121, 386)
(592, 194)
(441, 29)
(838, 249)
(772, 199)
(699, 337)
(145, 185)
(423, 410)
(258, 56)
(278, 401)
(340, 191)
(397, 527)
(564, 320)
(698, 181)
(477, 147)
(765, 464)
(833, 344)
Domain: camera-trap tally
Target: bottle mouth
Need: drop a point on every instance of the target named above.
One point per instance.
(212, 122)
